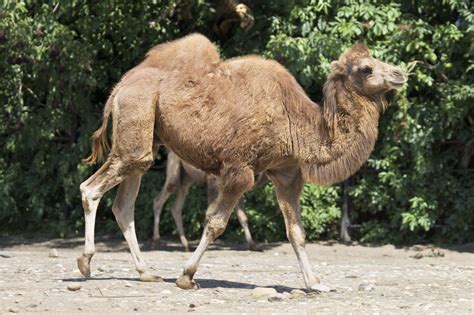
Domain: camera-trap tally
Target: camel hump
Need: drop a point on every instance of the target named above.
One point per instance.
(192, 53)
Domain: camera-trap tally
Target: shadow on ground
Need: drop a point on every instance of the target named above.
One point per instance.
(203, 283)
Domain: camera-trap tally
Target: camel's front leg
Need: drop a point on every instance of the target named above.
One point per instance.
(288, 184)
(234, 182)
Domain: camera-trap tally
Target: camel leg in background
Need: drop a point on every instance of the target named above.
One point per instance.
(345, 221)
(172, 182)
(288, 185)
(234, 182)
(243, 220)
(177, 211)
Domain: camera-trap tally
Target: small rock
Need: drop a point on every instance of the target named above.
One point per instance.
(166, 292)
(53, 253)
(192, 305)
(13, 310)
(276, 298)
(74, 287)
(417, 256)
(297, 293)
(366, 287)
(287, 295)
(101, 269)
(436, 253)
(320, 288)
(128, 285)
(263, 292)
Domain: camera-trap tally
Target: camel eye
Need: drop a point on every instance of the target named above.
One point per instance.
(366, 70)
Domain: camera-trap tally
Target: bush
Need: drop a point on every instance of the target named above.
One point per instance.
(59, 61)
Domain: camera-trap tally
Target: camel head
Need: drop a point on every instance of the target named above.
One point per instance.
(357, 71)
(367, 75)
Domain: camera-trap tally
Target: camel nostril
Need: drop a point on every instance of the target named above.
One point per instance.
(398, 76)
(397, 73)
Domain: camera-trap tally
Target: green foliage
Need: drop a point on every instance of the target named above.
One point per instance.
(59, 61)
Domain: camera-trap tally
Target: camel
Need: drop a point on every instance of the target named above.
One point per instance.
(233, 119)
(180, 176)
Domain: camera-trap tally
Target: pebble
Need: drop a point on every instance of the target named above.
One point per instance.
(320, 288)
(166, 292)
(287, 295)
(13, 310)
(53, 253)
(128, 285)
(74, 287)
(263, 292)
(366, 287)
(275, 298)
(297, 293)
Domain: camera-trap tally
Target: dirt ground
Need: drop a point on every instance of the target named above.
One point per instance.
(384, 279)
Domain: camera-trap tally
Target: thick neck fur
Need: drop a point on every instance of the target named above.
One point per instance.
(338, 139)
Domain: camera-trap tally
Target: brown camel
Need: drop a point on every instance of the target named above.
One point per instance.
(233, 119)
(180, 176)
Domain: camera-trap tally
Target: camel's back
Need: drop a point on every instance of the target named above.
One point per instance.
(192, 53)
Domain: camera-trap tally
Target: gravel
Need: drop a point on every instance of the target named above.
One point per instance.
(376, 279)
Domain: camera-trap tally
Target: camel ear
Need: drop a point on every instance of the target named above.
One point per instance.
(330, 107)
(337, 67)
(360, 50)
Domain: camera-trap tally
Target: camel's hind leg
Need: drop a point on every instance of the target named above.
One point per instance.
(123, 209)
(131, 155)
(92, 190)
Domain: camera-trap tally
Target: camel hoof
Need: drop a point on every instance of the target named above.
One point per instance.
(154, 244)
(83, 263)
(186, 248)
(146, 277)
(186, 283)
(314, 283)
(254, 248)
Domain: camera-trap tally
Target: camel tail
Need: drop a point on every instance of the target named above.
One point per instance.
(100, 139)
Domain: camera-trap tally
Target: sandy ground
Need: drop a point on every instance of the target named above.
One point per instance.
(384, 279)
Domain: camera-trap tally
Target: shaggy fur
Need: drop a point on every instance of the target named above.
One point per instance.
(234, 119)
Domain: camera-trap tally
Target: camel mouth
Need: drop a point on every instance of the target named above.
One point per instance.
(397, 85)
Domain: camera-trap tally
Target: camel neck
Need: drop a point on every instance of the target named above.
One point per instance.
(331, 158)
